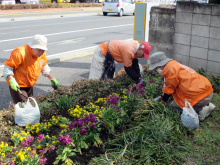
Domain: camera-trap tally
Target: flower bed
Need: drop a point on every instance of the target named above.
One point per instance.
(107, 122)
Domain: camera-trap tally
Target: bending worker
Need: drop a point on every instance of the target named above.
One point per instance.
(183, 83)
(121, 51)
(22, 69)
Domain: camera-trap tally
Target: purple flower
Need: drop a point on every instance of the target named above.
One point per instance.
(91, 115)
(159, 83)
(162, 78)
(83, 131)
(93, 125)
(71, 126)
(93, 119)
(151, 80)
(80, 123)
(75, 123)
(40, 137)
(65, 139)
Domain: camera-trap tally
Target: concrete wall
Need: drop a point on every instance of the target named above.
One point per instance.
(189, 34)
(197, 36)
(161, 29)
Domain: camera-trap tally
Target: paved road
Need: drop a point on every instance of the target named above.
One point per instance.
(65, 34)
(67, 37)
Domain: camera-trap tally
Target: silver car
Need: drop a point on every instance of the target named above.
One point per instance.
(118, 6)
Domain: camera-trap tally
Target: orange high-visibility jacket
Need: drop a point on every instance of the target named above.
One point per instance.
(123, 51)
(184, 83)
(27, 66)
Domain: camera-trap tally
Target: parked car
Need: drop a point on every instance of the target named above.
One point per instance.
(118, 6)
(54, 1)
(30, 1)
(6, 2)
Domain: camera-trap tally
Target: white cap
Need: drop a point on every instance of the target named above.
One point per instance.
(39, 41)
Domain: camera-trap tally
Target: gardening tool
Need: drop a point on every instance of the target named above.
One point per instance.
(25, 95)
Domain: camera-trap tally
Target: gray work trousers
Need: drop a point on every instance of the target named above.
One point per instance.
(197, 107)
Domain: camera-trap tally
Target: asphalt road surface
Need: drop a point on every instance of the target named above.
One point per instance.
(64, 34)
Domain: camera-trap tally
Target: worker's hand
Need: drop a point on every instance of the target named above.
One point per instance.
(142, 81)
(14, 84)
(54, 83)
(157, 99)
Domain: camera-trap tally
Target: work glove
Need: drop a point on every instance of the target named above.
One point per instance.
(156, 99)
(54, 83)
(14, 84)
(142, 81)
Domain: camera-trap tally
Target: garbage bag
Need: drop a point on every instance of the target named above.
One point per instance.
(189, 117)
(27, 113)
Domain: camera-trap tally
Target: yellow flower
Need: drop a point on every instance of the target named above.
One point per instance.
(39, 147)
(21, 139)
(22, 158)
(47, 145)
(3, 155)
(54, 142)
(77, 116)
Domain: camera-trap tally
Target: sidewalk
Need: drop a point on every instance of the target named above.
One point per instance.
(49, 10)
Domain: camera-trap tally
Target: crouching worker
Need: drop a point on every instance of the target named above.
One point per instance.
(183, 83)
(22, 69)
(121, 51)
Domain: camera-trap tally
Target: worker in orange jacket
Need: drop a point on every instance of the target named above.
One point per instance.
(22, 69)
(183, 83)
(121, 51)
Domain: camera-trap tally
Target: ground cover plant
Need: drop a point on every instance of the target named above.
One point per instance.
(109, 122)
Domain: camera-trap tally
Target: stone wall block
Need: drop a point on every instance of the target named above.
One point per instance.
(202, 9)
(201, 19)
(181, 59)
(213, 67)
(182, 39)
(199, 52)
(214, 56)
(161, 37)
(183, 6)
(215, 21)
(181, 49)
(197, 63)
(214, 32)
(214, 44)
(202, 31)
(183, 28)
(201, 42)
(184, 17)
(215, 10)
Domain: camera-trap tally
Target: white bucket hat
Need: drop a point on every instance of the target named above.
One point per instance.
(158, 59)
(39, 41)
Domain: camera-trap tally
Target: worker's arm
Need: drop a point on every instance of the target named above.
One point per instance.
(8, 71)
(46, 70)
(135, 66)
(132, 74)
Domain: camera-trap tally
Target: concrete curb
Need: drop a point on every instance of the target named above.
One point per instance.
(70, 55)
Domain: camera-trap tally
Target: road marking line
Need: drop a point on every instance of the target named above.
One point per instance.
(67, 32)
(53, 24)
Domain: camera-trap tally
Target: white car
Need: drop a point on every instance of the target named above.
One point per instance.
(6, 2)
(118, 6)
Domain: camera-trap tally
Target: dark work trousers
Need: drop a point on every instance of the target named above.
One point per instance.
(17, 97)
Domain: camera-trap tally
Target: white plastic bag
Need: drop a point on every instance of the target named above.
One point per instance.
(189, 117)
(28, 114)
